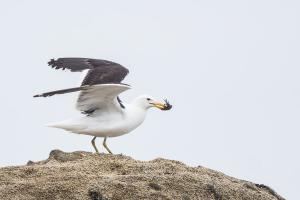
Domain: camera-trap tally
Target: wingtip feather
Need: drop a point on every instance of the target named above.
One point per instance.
(52, 62)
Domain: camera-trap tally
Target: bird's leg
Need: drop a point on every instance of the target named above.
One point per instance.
(93, 143)
(105, 146)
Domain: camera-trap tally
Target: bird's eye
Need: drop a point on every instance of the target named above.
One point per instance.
(148, 99)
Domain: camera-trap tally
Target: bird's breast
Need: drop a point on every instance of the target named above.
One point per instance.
(118, 124)
(133, 117)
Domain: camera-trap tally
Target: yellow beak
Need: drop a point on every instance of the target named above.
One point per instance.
(158, 105)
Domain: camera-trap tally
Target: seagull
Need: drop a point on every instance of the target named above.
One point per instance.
(103, 113)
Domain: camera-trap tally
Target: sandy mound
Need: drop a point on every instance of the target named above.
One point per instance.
(83, 175)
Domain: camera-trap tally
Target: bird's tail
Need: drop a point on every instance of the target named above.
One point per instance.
(69, 125)
(55, 125)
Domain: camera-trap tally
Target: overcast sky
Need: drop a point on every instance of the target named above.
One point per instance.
(230, 68)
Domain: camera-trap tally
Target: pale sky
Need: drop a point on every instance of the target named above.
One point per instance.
(230, 68)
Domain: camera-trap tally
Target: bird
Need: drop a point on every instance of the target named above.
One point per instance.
(103, 113)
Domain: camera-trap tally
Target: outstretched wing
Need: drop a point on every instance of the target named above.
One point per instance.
(102, 97)
(100, 71)
(100, 87)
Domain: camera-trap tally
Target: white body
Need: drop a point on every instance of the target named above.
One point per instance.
(106, 125)
(109, 119)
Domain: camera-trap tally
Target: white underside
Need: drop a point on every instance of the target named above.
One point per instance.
(104, 124)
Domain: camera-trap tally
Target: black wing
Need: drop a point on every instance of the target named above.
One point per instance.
(100, 71)
(63, 91)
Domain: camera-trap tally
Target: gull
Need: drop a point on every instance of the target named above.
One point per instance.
(103, 113)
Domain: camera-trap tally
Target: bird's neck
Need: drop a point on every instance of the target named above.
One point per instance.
(135, 114)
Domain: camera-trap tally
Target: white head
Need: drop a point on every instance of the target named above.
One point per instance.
(146, 102)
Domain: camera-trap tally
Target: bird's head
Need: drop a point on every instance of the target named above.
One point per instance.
(146, 102)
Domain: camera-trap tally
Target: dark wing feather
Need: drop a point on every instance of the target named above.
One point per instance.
(104, 74)
(100, 71)
(73, 64)
(63, 91)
